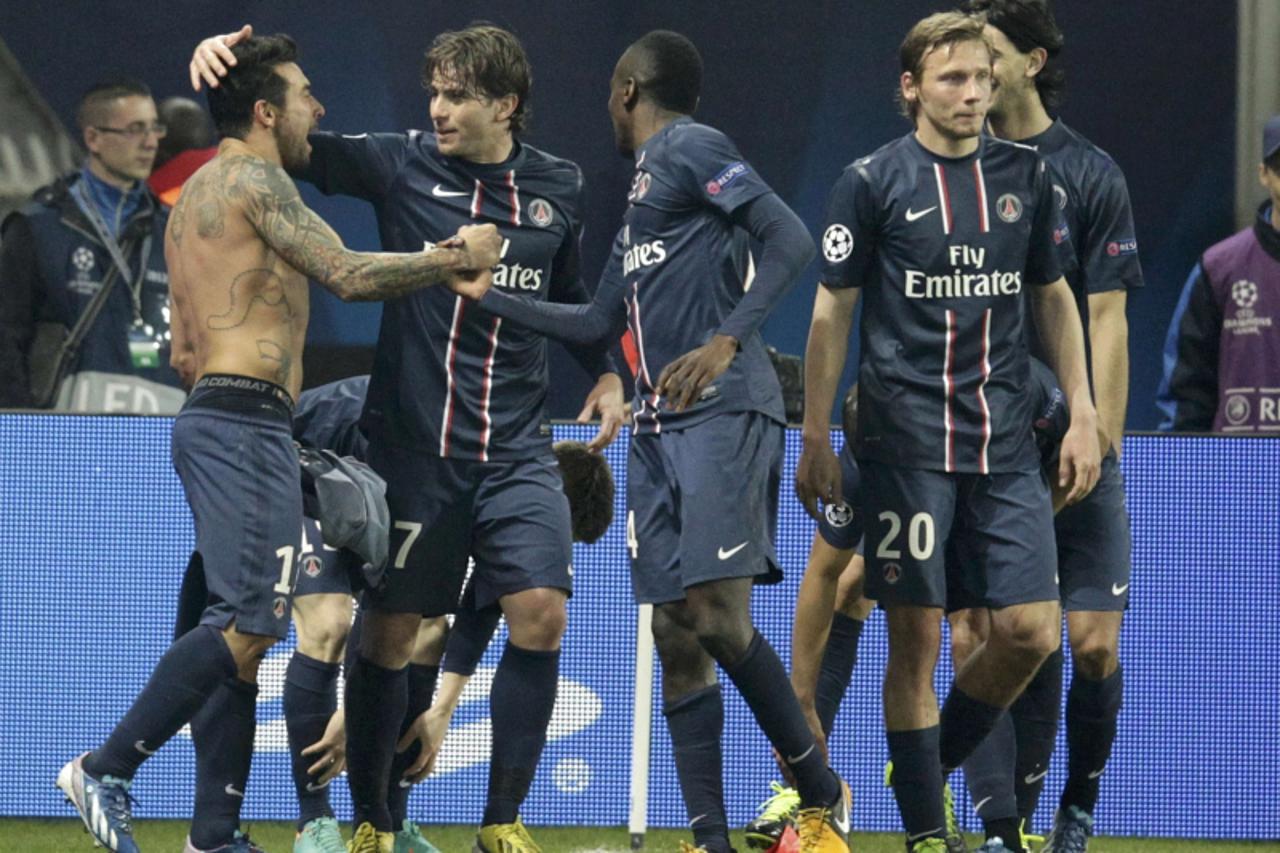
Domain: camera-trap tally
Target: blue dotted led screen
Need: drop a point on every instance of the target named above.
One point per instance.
(94, 534)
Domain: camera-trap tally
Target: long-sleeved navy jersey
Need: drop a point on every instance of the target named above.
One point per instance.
(943, 248)
(448, 377)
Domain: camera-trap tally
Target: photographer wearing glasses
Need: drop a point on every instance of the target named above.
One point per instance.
(84, 313)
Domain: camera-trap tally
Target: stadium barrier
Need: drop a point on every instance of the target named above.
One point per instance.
(94, 533)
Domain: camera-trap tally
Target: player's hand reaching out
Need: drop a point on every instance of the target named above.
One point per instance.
(818, 475)
(428, 731)
(607, 402)
(683, 380)
(1080, 461)
(330, 750)
(212, 57)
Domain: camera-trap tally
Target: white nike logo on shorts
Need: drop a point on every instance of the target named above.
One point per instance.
(913, 215)
(440, 192)
(1116, 589)
(726, 554)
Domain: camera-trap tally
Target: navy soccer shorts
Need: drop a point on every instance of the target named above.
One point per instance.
(990, 537)
(322, 569)
(702, 505)
(234, 453)
(511, 517)
(1094, 546)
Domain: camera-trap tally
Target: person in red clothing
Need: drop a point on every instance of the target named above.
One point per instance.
(189, 144)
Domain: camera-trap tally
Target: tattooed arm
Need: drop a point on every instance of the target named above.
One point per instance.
(307, 243)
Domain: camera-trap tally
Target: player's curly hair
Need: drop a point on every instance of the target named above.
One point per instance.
(253, 78)
(942, 29)
(588, 483)
(488, 62)
(1029, 24)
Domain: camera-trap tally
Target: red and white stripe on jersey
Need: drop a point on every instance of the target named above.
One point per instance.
(944, 198)
(451, 353)
(515, 197)
(486, 390)
(984, 221)
(983, 468)
(650, 399)
(948, 389)
(477, 199)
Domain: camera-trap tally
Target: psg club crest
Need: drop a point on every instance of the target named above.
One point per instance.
(311, 566)
(640, 186)
(1009, 207)
(540, 213)
(279, 608)
(892, 571)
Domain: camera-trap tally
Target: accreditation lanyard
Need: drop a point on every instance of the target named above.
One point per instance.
(107, 238)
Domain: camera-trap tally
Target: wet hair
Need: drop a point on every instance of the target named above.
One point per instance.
(487, 61)
(668, 70)
(95, 103)
(253, 78)
(1029, 24)
(849, 413)
(942, 29)
(588, 483)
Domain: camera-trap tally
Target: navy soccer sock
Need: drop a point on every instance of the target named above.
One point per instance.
(222, 733)
(520, 703)
(696, 723)
(838, 660)
(375, 703)
(763, 683)
(989, 773)
(422, 684)
(917, 782)
(964, 723)
(1092, 710)
(188, 673)
(1035, 722)
(310, 698)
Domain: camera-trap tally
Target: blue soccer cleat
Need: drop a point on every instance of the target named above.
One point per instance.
(240, 843)
(1071, 830)
(103, 804)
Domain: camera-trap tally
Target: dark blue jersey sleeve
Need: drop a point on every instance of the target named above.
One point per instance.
(849, 235)
(1109, 251)
(711, 169)
(362, 165)
(602, 319)
(567, 288)
(328, 417)
(786, 250)
(1043, 263)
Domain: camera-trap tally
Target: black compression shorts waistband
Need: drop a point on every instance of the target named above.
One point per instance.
(230, 392)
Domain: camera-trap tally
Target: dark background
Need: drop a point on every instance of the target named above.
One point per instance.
(803, 88)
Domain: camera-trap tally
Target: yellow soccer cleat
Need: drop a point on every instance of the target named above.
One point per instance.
(505, 838)
(369, 840)
(825, 829)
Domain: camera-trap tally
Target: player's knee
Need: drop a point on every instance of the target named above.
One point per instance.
(1094, 658)
(537, 620)
(723, 632)
(428, 647)
(386, 639)
(323, 630)
(1031, 637)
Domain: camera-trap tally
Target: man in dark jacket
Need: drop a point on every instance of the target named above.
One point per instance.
(98, 225)
(1222, 352)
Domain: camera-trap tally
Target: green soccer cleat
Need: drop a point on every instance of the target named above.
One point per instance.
(409, 839)
(321, 835)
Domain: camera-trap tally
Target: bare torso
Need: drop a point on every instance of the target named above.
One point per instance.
(238, 306)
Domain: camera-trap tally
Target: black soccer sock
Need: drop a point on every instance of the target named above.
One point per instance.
(988, 771)
(182, 681)
(222, 733)
(1092, 710)
(520, 704)
(838, 660)
(763, 683)
(696, 723)
(375, 703)
(1035, 722)
(917, 782)
(964, 723)
(422, 684)
(310, 698)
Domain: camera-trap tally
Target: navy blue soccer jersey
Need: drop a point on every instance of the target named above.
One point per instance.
(328, 417)
(943, 249)
(448, 377)
(1102, 252)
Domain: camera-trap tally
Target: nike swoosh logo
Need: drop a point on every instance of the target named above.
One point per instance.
(313, 787)
(440, 192)
(925, 834)
(232, 792)
(791, 759)
(1116, 589)
(405, 783)
(1095, 774)
(724, 555)
(696, 819)
(913, 215)
(141, 747)
(977, 807)
(1032, 778)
